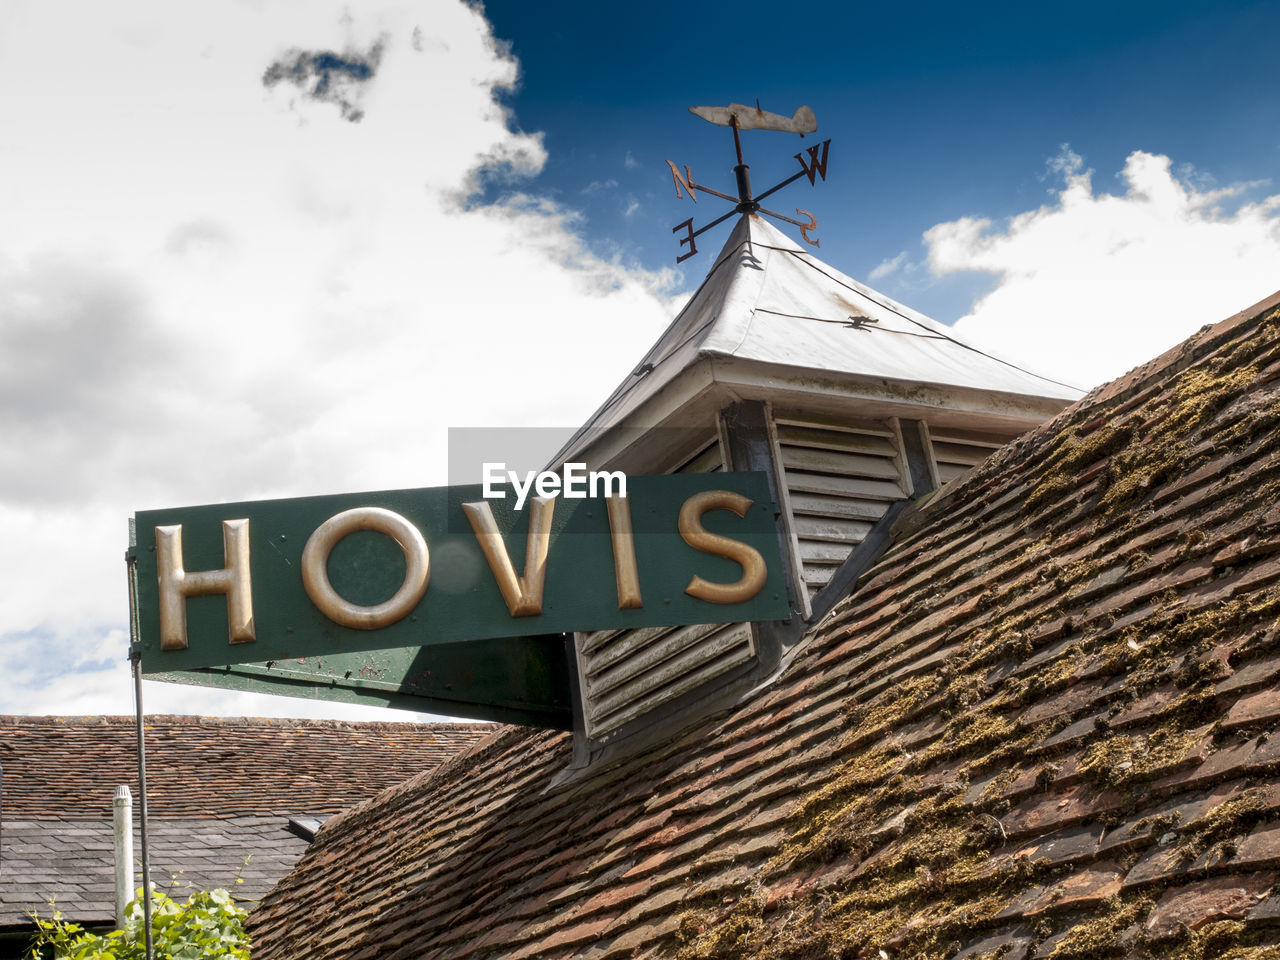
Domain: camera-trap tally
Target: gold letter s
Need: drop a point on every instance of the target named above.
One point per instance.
(754, 571)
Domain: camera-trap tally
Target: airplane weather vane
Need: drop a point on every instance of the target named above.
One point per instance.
(739, 117)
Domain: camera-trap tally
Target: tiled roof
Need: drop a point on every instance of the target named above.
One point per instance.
(219, 795)
(1044, 724)
(68, 864)
(213, 766)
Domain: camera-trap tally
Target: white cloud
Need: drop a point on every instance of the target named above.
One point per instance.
(886, 267)
(1065, 163)
(1096, 283)
(215, 290)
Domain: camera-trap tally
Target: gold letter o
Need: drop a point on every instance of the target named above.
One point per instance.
(315, 568)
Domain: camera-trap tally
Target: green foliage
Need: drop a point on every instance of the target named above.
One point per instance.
(209, 924)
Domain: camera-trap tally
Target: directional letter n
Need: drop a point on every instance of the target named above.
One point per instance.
(176, 584)
(686, 180)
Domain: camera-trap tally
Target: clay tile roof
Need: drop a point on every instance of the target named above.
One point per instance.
(214, 766)
(220, 792)
(1045, 724)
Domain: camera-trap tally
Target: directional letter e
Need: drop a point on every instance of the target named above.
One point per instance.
(176, 584)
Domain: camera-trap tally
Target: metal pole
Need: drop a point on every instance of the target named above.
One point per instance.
(742, 172)
(136, 657)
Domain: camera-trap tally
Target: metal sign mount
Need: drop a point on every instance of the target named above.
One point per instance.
(740, 117)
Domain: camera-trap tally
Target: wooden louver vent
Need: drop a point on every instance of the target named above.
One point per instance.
(625, 674)
(840, 481)
(956, 451)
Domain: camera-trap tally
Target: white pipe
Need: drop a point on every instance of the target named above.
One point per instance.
(123, 820)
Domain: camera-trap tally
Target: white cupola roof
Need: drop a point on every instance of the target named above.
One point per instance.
(771, 321)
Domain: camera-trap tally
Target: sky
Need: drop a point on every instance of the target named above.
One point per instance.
(264, 248)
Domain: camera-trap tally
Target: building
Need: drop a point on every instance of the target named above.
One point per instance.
(232, 802)
(1041, 724)
(1039, 720)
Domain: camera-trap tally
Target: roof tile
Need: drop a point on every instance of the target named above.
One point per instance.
(1225, 898)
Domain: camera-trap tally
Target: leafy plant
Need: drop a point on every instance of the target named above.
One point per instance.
(208, 925)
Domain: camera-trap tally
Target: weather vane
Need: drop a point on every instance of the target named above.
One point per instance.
(740, 117)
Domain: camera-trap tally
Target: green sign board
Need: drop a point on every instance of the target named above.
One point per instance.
(277, 586)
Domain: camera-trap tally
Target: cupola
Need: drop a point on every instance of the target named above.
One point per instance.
(853, 404)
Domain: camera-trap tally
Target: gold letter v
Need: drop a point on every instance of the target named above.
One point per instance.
(523, 595)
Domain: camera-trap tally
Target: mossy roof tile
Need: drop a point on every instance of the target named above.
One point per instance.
(1030, 687)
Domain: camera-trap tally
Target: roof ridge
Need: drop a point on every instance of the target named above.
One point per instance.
(89, 720)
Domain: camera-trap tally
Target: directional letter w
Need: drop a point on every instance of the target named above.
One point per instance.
(815, 165)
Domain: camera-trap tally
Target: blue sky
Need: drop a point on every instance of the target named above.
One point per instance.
(223, 280)
(935, 111)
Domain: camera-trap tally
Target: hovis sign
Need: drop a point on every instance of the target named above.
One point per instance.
(276, 579)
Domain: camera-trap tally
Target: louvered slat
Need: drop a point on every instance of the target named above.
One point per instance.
(721, 650)
(955, 453)
(851, 487)
(811, 504)
(949, 471)
(796, 436)
(839, 463)
(821, 528)
(817, 551)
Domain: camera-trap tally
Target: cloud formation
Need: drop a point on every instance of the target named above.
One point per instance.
(1096, 283)
(228, 304)
(887, 267)
(328, 77)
